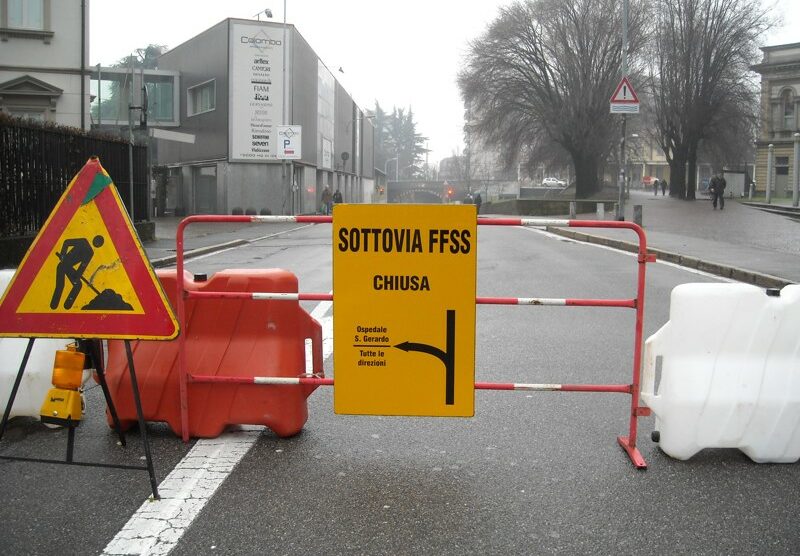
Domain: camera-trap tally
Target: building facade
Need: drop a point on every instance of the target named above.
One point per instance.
(780, 103)
(44, 48)
(239, 81)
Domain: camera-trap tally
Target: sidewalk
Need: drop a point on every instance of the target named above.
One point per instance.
(206, 237)
(740, 242)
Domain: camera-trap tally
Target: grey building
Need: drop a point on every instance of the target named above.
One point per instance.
(239, 81)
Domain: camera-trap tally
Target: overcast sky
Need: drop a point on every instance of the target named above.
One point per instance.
(405, 53)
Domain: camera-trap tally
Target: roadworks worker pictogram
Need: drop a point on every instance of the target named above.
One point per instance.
(74, 258)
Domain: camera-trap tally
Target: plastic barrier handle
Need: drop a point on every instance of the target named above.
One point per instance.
(652, 349)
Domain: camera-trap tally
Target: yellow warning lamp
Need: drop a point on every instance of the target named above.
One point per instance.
(62, 406)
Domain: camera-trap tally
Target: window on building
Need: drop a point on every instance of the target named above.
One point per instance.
(30, 113)
(26, 14)
(202, 98)
(160, 95)
(110, 90)
(109, 99)
(787, 105)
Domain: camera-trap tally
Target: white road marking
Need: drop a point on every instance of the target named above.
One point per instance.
(158, 525)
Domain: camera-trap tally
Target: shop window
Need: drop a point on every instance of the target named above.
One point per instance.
(205, 190)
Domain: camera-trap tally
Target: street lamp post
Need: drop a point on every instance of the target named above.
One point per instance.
(770, 171)
(796, 172)
(753, 177)
(143, 115)
(285, 110)
(130, 142)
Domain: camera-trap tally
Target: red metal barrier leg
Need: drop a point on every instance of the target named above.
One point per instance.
(629, 442)
(633, 452)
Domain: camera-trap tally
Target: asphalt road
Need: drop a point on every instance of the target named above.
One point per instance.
(531, 473)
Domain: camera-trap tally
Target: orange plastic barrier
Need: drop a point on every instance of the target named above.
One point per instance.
(224, 337)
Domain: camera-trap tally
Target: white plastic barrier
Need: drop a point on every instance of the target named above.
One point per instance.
(730, 372)
(36, 380)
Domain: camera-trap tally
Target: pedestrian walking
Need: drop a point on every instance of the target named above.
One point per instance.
(326, 198)
(717, 188)
(655, 187)
(663, 187)
(337, 197)
(477, 200)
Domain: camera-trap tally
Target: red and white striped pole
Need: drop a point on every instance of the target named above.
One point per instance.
(321, 381)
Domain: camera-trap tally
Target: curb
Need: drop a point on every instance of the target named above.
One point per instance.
(170, 260)
(788, 212)
(725, 271)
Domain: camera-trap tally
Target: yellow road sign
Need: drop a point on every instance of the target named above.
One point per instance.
(404, 282)
(86, 274)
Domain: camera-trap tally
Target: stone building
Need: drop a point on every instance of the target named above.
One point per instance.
(780, 102)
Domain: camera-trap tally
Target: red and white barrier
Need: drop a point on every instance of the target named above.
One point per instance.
(628, 443)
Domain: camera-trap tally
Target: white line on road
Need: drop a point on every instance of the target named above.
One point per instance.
(158, 525)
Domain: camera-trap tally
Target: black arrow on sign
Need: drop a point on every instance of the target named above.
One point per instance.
(447, 357)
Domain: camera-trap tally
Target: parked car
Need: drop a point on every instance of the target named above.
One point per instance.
(553, 182)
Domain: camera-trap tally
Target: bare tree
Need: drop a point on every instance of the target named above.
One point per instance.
(454, 168)
(544, 72)
(729, 140)
(702, 50)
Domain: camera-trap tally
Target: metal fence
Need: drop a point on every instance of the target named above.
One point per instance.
(38, 161)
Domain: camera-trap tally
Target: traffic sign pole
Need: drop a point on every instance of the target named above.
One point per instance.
(621, 202)
(623, 164)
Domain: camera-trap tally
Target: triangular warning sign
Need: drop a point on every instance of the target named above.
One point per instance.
(624, 94)
(86, 274)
